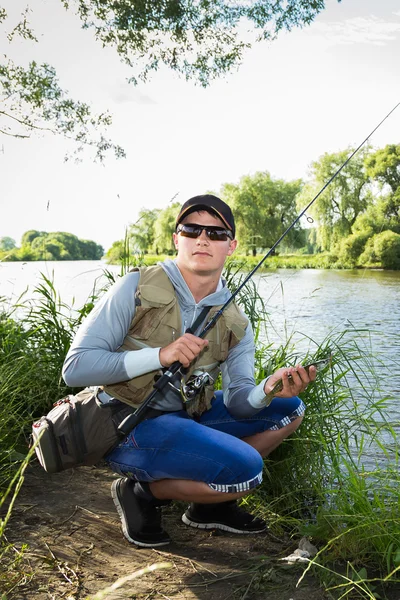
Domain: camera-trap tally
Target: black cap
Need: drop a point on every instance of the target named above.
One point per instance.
(211, 204)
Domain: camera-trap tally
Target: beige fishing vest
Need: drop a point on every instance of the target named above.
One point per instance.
(157, 323)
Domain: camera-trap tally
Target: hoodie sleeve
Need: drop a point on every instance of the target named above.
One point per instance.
(93, 358)
(242, 397)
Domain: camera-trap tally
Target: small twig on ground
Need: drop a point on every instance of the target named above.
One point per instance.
(88, 511)
(190, 560)
(167, 598)
(68, 518)
(209, 581)
(63, 568)
(103, 594)
(74, 511)
(26, 507)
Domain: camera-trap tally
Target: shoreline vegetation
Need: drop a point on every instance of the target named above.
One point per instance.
(246, 263)
(354, 224)
(336, 481)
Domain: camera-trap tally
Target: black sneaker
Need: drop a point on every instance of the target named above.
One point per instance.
(141, 519)
(227, 516)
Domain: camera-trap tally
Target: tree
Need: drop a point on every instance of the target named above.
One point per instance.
(7, 243)
(89, 250)
(201, 40)
(59, 245)
(117, 253)
(346, 197)
(382, 249)
(164, 227)
(30, 235)
(263, 208)
(31, 100)
(141, 233)
(384, 166)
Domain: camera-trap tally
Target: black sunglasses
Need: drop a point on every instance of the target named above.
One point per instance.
(216, 234)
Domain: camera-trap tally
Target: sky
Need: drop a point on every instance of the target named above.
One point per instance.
(318, 89)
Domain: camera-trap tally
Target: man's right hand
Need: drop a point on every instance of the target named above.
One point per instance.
(185, 350)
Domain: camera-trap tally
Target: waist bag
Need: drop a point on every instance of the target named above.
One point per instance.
(79, 430)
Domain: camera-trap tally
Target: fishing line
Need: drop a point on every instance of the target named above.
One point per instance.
(297, 219)
(132, 420)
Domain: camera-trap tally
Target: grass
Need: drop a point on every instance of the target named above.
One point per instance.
(336, 481)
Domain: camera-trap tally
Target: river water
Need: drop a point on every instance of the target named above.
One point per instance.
(304, 305)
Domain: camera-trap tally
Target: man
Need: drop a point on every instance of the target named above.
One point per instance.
(207, 451)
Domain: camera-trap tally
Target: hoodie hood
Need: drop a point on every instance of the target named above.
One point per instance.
(185, 296)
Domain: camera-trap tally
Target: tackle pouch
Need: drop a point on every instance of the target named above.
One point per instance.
(78, 431)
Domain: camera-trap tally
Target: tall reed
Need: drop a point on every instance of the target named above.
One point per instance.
(337, 480)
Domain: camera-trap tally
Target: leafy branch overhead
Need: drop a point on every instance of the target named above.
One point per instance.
(31, 100)
(34, 101)
(200, 39)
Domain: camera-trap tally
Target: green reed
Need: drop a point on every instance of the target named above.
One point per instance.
(337, 479)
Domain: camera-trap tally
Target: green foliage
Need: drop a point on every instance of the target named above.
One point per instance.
(200, 40)
(32, 352)
(382, 250)
(7, 243)
(346, 197)
(29, 236)
(365, 247)
(384, 166)
(337, 479)
(32, 101)
(13, 571)
(40, 104)
(59, 245)
(349, 249)
(164, 227)
(141, 233)
(116, 253)
(249, 298)
(263, 208)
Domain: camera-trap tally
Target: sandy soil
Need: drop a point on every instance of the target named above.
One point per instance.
(76, 548)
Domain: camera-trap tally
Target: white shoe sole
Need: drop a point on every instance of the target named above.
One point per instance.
(114, 495)
(219, 526)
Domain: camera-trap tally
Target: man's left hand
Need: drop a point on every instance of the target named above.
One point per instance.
(294, 380)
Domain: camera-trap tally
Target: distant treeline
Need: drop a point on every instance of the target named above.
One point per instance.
(354, 223)
(58, 245)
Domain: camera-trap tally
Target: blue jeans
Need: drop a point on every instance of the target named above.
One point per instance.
(173, 446)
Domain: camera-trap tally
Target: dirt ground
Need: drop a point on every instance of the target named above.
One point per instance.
(76, 548)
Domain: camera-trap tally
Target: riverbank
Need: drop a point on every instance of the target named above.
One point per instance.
(323, 260)
(76, 548)
(337, 481)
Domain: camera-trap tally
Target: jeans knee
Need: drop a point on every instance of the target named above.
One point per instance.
(248, 464)
(243, 475)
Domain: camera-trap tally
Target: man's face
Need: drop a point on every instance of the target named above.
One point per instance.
(202, 255)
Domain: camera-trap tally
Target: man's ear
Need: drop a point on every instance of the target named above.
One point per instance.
(232, 247)
(175, 238)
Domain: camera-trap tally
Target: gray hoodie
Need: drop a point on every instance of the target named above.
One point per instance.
(93, 358)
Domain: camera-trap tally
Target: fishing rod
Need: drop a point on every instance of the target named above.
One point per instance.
(134, 419)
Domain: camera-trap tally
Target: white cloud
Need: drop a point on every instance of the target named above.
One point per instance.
(360, 30)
